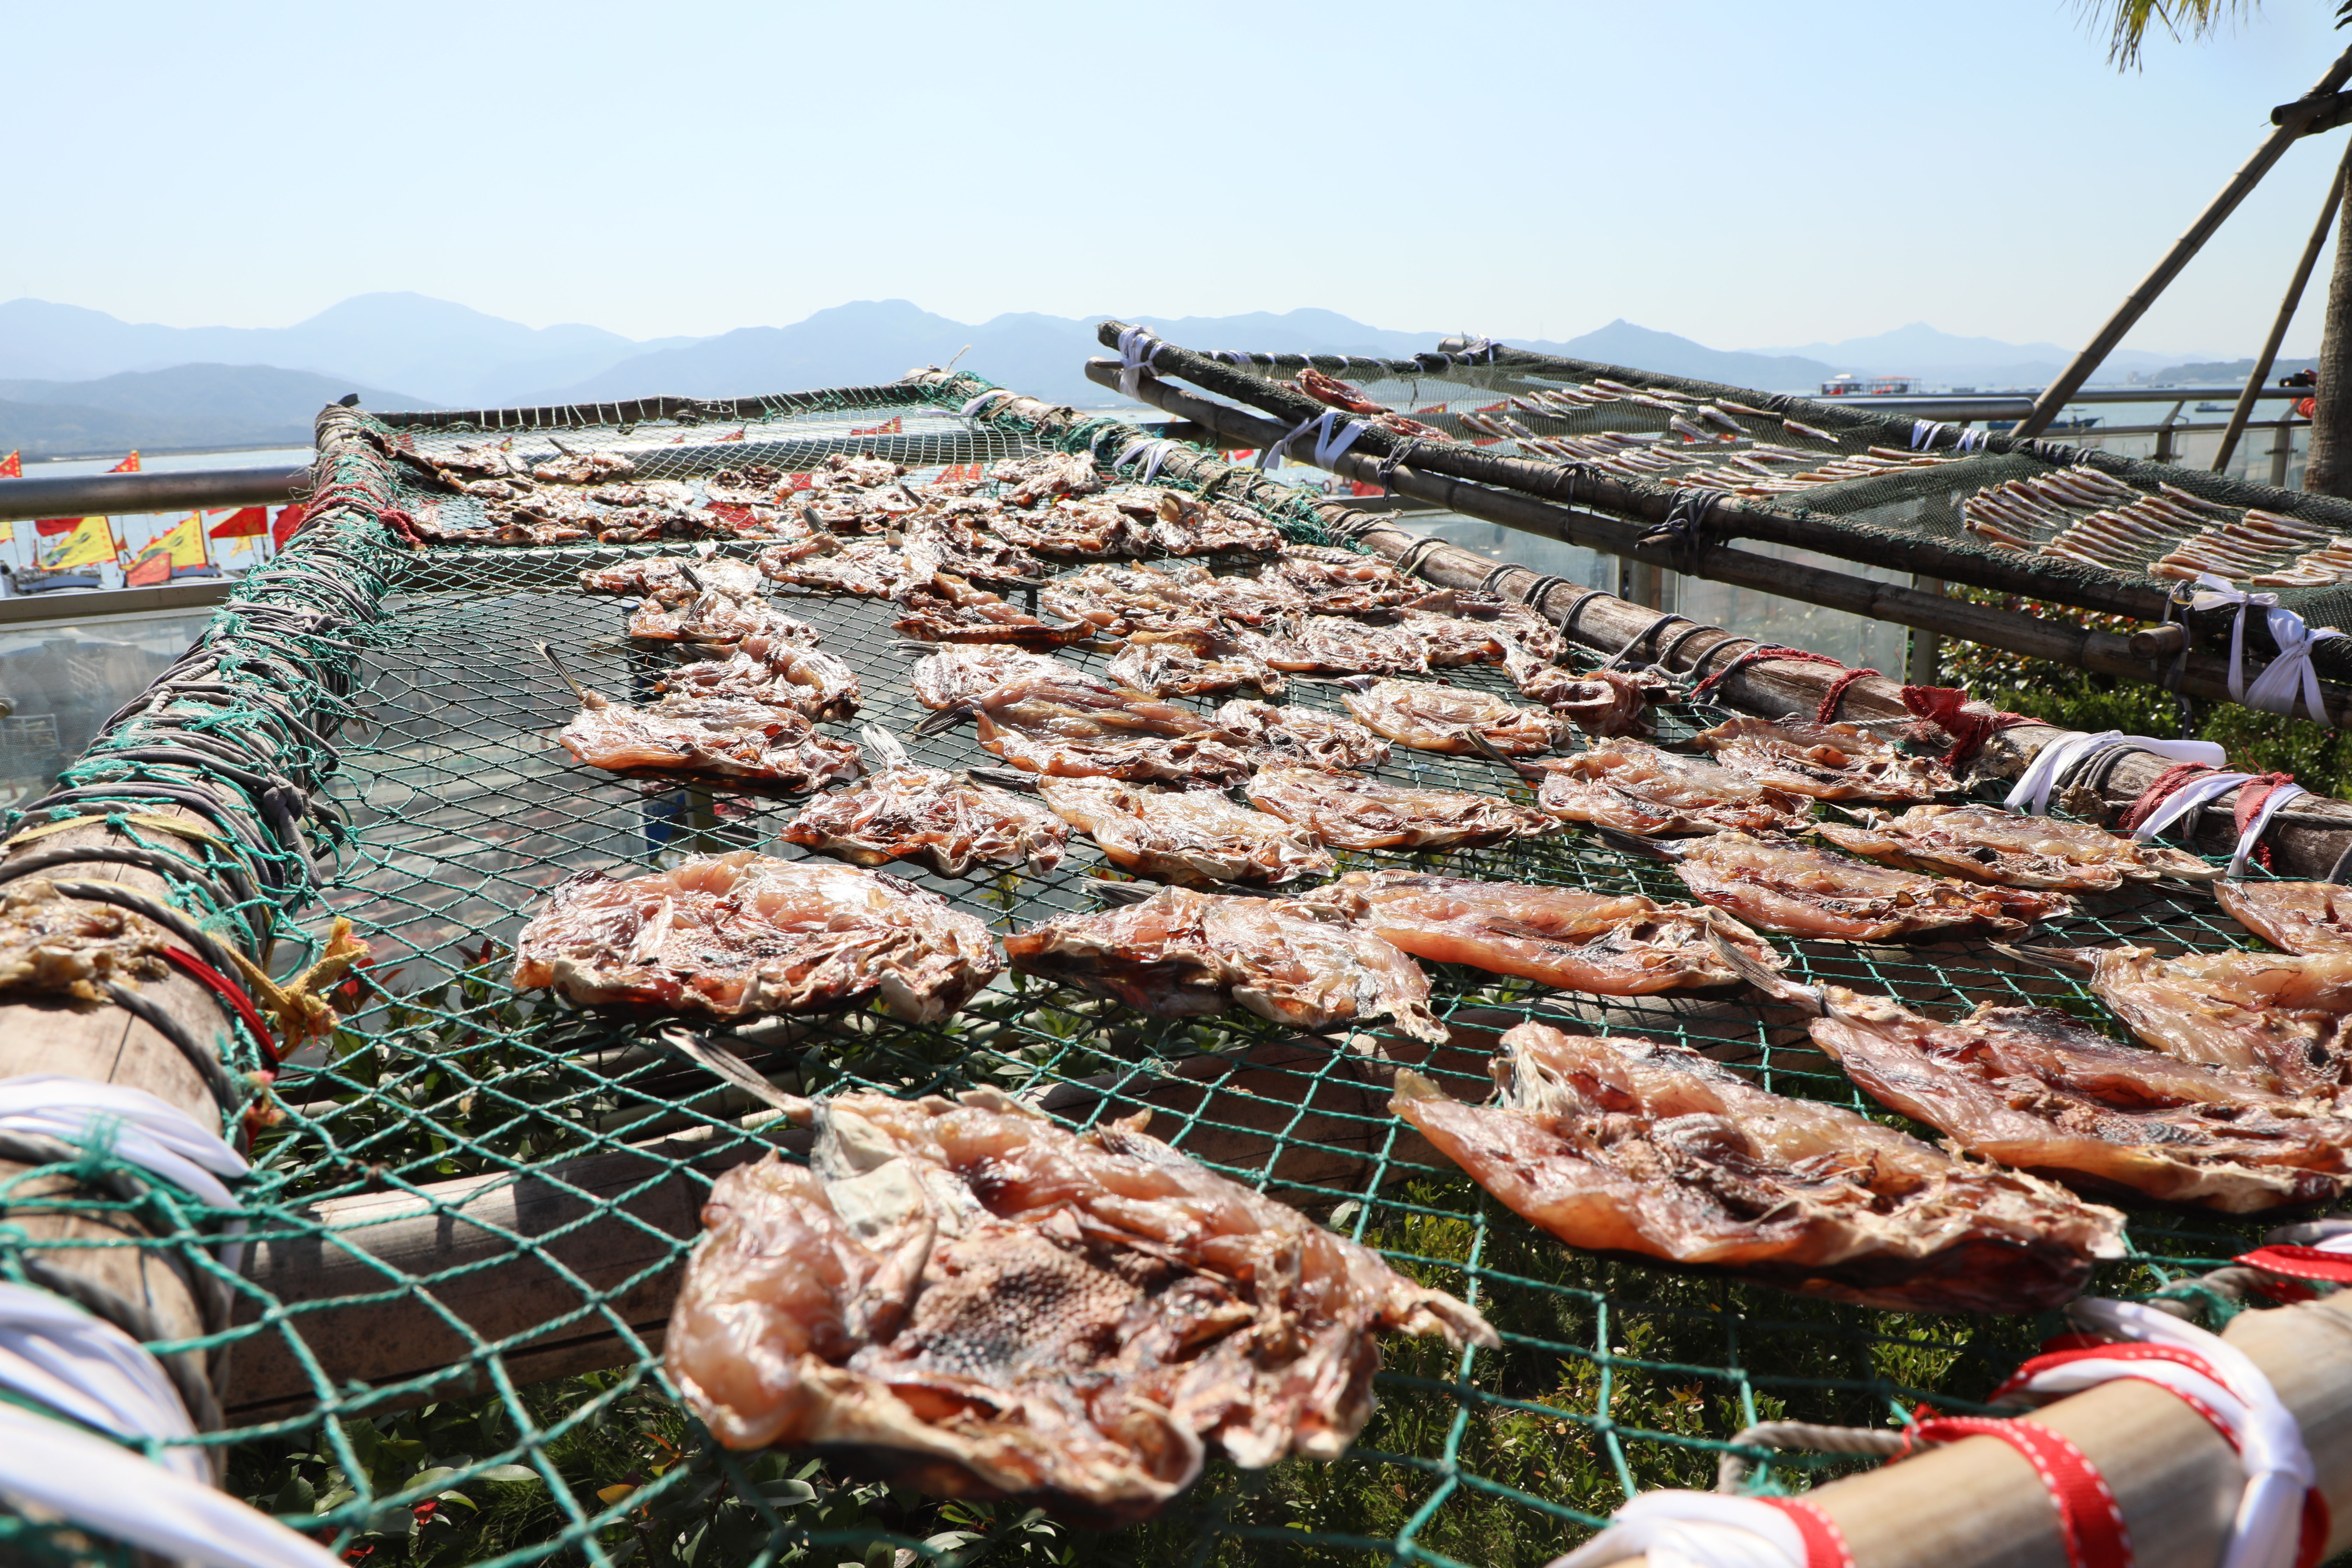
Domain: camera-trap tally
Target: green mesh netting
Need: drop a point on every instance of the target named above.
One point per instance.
(1854, 518)
(466, 1226)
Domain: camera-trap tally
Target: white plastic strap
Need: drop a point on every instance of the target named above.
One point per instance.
(1154, 451)
(2254, 830)
(1333, 435)
(1922, 433)
(1694, 1530)
(1136, 347)
(2270, 1444)
(55, 1353)
(141, 1130)
(2290, 675)
(995, 393)
(2050, 763)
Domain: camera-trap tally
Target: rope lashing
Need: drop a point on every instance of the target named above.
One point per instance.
(1642, 638)
(2284, 678)
(2040, 779)
(1137, 348)
(133, 1126)
(1752, 655)
(1666, 659)
(1331, 439)
(2259, 800)
(1827, 712)
(1968, 724)
(1684, 528)
(1708, 1530)
(1386, 473)
(83, 1465)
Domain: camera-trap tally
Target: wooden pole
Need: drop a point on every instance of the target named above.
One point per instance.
(2290, 128)
(2202, 673)
(2294, 298)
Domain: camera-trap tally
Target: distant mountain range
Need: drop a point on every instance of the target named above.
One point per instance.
(74, 380)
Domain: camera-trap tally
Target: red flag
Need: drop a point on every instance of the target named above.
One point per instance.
(51, 526)
(12, 466)
(290, 517)
(248, 523)
(1494, 408)
(129, 465)
(148, 573)
(895, 426)
(958, 473)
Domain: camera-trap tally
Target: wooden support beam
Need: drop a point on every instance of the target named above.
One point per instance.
(2244, 408)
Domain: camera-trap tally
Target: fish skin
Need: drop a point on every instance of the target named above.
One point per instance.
(1350, 811)
(2281, 1014)
(1430, 717)
(1196, 837)
(1631, 1147)
(1637, 788)
(1985, 844)
(1799, 891)
(2294, 917)
(1086, 728)
(1825, 762)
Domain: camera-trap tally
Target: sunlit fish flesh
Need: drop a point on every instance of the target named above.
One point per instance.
(866, 569)
(1191, 662)
(718, 617)
(1827, 761)
(1634, 1147)
(1987, 844)
(1340, 582)
(1295, 734)
(948, 820)
(1350, 811)
(1025, 482)
(950, 610)
(1608, 945)
(2281, 1014)
(739, 934)
(1088, 728)
(1604, 702)
(1334, 645)
(1197, 837)
(1639, 789)
(1180, 953)
(670, 580)
(961, 673)
(779, 674)
(969, 1301)
(1430, 717)
(2294, 917)
(1797, 889)
(1116, 600)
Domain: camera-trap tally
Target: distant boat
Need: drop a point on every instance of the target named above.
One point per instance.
(2080, 422)
(38, 582)
(1869, 386)
(2215, 408)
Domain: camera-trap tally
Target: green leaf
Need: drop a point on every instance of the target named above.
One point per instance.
(511, 1473)
(788, 1494)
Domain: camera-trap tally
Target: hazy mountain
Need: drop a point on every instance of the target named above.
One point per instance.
(189, 405)
(1936, 357)
(426, 348)
(1639, 348)
(2224, 372)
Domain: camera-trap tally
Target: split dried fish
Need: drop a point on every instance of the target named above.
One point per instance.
(969, 1300)
(732, 737)
(1349, 811)
(1430, 717)
(779, 674)
(1604, 702)
(1335, 393)
(1089, 529)
(1632, 1147)
(2294, 917)
(1196, 837)
(1639, 789)
(1608, 945)
(1826, 762)
(1191, 662)
(826, 564)
(713, 616)
(1182, 954)
(1184, 526)
(671, 580)
(2284, 1015)
(951, 610)
(1798, 890)
(1025, 482)
(742, 934)
(959, 674)
(1337, 581)
(1118, 600)
(1987, 844)
(1082, 728)
(1334, 645)
(1295, 734)
(949, 820)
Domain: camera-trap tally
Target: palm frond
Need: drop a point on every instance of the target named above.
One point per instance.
(2126, 22)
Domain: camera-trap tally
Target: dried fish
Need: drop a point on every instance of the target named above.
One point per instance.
(2294, 917)
(2039, 1091)
(1302, 735)
(907, 813)
(776, 673)
(741, 934)
(1184, 526)
(713, 616)
(1195, 838)
(1086, 728)
(1118, 600)
(951, 610)
(1191, 661)
(670, 580)
(1337, 581)
(830, 565)
(1603, 702)
(1798, 890)
(969, 1300)
(1349, 811)
(1085, 529)
(1826, 762)
(1025, 482)
(959, 673)
(1629, 1146)
(1987, 844)
(732, 737)
(1639, 789)
(1429, 716)
(2281, 1016)
(1335, 393)
(1182, 954)
(1333, 644)
(1609, 944)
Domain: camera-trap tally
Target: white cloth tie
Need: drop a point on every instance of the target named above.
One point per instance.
(1694, 1530)
(135, 1126)
(60, 1356)
(1154, 451)
(1334, 434)
(994, 394)
(2286, 677)
(2050, 763)
(1134, 357)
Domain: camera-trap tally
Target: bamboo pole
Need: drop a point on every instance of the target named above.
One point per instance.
(2291, 119)
(2202, 673)
(2287, 306)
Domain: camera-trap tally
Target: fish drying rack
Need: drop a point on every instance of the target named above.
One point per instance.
(464, 1231)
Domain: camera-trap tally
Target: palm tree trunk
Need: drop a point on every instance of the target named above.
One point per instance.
(2329, 472)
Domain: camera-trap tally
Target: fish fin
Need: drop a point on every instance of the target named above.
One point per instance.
(943, 721)
(1493, 753)
(1779, 987)
(1118, 895)
(727, 1065)
(2065, 959)
(1632, 844)
(1410, 1086)
(1004, 778)
(578, 691)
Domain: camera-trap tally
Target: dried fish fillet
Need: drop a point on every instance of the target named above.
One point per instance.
(1799, 891)
(1340, 582)
(863, 568)
(2294, 917)
(1987, 844)
(1333, 644)
(1349, 811)
(780, 675)
(1183, 526)
(2284, 1015)
(50, 942)
(1605, 702)
(1197, 837)
(1182, 954)
(1639, 789)
(949, 609)
(1088, 530)
(1826, 762)
(670, 580)
(1191, 663)
(729, 736)
(1430, 717)
(1118, 600)
(961, 673)
(969, 1299)
(2039, 1091)
(1628, 1146)
(949, 821)
(1609, 944)
(1085, 727)
(741, 934)
(1295, 734)
(716, 618)
(1025, 482)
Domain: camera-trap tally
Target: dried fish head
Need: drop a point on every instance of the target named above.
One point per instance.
(972, 1300)
(1629, 1146)
(1180, 954)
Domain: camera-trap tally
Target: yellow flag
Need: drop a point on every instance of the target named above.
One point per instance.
(88, 546)
(7, 533)
(185, 541)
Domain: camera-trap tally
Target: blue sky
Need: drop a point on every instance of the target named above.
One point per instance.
(1749, 175)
